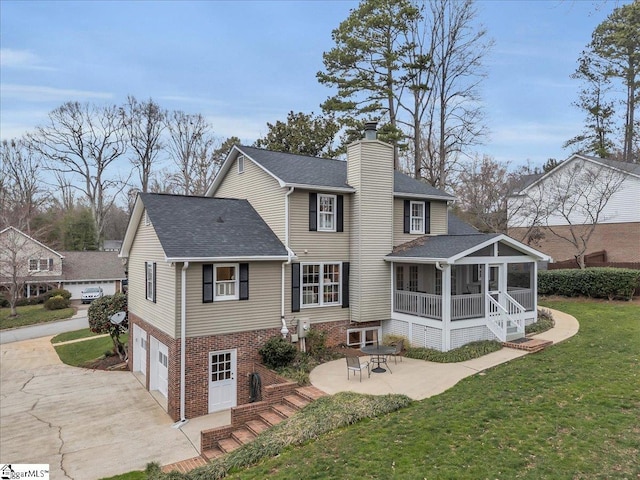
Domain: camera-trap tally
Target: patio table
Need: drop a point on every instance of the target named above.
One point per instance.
(378, 355)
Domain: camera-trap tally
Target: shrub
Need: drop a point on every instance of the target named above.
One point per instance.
(56, 303)
(57, 292)
(543, 323)
(316, 343)
(99, 314)
(277, 352)
(466, 352)
(4, 303)
(30, 301)
(599, 282)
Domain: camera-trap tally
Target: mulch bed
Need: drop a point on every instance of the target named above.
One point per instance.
(112, 362)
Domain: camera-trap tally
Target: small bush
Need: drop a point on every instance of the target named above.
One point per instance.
(23, 302)
(466, 352)
(4, 303)
(99, 315)
(277, 352)
(57, 292)
(543, 323)
(316, 343)
(56, 303)
(598, 282)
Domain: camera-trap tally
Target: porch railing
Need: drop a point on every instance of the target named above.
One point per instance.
(425, 305)
(467, 306)
(503, 320)
(524, 296)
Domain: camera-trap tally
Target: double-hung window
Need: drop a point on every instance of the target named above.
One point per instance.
(417, 217)
(320, 284)
(33, 265)
(326, 213)
(150, 281)
(226, 281)
(40, 264)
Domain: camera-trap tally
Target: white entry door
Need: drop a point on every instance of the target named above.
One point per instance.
(222, 380)
(159, 363)
(139, 350)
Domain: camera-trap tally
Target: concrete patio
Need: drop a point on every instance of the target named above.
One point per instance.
(419, 379)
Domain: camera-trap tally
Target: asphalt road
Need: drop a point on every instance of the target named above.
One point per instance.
(44, 329)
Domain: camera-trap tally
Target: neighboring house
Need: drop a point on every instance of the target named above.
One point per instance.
(282, 242)
(111, 245)
(590, 201)
(39, 268)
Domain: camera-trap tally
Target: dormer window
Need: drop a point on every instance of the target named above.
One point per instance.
(417, 217)
(241, 164)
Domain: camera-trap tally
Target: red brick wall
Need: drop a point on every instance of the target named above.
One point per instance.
(197, 363)
(621, 241)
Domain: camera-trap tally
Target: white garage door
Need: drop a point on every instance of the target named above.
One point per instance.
(159, 363)
(109, 288)
(139, 350)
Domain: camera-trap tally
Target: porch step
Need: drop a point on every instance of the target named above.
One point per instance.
(296, 401)
(212, 454)
(284, 410)
(228, 444)
(243, 435)
(530, 345)
(271, 418)
(257, 426)
(185, 466)
(311, 393)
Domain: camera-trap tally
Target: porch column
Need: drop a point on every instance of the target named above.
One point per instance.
(446, 308)
(534, 288)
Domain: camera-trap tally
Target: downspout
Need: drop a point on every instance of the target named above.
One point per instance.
(284, 330)
(183, 342)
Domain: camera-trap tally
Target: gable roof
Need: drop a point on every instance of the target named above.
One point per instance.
(450, 248)
(83, 266)
(457, 226)
(20, 232)
(529, 181)
(291, 170)
(205, 229)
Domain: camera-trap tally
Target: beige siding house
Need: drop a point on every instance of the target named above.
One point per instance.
(282, 243)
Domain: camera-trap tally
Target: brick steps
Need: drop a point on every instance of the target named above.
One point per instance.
(273, 416)
(185, 465)
(531, 345)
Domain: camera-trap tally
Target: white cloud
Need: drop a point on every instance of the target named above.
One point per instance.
(11, 58)
(38, 93)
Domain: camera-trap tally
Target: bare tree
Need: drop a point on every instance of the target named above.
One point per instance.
(21, 192)
(454, 118)
(191, 143)
(145, 122)
(82, 142)
(569, 203)
(14, 266)
(484, 185)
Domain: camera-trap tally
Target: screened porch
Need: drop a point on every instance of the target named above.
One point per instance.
(418, 289)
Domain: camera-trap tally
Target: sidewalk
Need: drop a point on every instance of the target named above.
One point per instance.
(419, 379)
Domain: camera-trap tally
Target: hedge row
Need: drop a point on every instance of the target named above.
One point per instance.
(598, 282)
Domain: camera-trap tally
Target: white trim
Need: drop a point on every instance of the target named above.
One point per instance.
(255, 258)
(333, 213)
(326, 188)
(321, 302)
(423, 196)
(423, 204)
(235, 280)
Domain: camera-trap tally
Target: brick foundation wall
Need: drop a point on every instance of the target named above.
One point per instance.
(246, 344)
(621, 241)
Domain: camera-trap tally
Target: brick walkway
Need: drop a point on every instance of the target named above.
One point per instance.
(185, 465)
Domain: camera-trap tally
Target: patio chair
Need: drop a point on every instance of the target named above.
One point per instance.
(399, 344)
(354, 364)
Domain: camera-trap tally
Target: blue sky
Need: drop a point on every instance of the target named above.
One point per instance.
(245, 63)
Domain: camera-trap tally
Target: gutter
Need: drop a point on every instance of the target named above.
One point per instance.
(183, 344)
(284, 330)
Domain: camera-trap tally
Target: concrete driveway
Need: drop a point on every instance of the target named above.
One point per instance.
(85, 424)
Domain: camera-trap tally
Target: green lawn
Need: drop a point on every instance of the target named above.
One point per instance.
(31, 315)
(75, 335)
(79, 353)
(569, 412)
